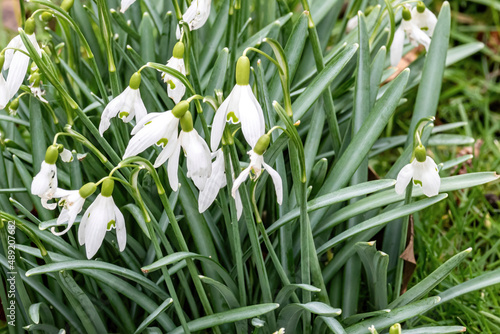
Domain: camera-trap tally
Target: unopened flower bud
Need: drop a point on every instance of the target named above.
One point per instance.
(180, 109)
(51, 154)
(262, 144)
(243, 71)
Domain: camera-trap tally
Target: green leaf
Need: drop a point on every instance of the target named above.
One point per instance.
(436, 330)
(375, 263)
(287, 290)
(291, 314)
(238, 314)
(333, 325)
(480, 282)
(449, 140)
(154, 315)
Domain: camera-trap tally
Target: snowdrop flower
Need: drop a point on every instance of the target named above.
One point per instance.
(72, 202)
(199, 160)
(125, 4)
(196, 15)
(44, 184)
(255, 166)
(176, 88)
(240, 106)
(16, 61)
(216, 182)
(4, 92)
(157, 128)
(101, 216)
(66, 155)
(126, 105)
(35, 87)
(424, 172)
(418, 25)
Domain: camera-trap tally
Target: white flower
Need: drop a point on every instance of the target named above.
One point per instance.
(280, 331)
(4, 92)
(196, 15)
(176, 88)
(154, 128)
(199, 161)
(38, 92)
(126, 105)
(125, 4)
(44, 184)
(372, 329)
(72, 203)
(66, 155)
(17, 63)
(216, 182)
(255, 166)
(101, 216)
(423, 173)
(417, 27)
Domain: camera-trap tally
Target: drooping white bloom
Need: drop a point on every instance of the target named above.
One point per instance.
(4, 92)
(126, 105)
(199, 161)
(125, 4)
(254, 170)
(72, 203)
(214, 184)
(240, 106)
(16, 62)
(44, 184)
(423, 173)
(176, 88)
(66, 155)
(38, 92)
(155, 128)
(101, 216)
(417, 27)
(196, 15)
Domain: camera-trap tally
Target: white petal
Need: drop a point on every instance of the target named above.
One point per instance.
(397, 47)
(66, 155)
(4, 92)
(199, 161)
(17, 72)
(121, 232)
(219, 123)
(278, 185)
(239, 180)
(15, 43)
(430, 179)
(146, 119)
(251, 116)
(99, 218)
(420, 37)
(404, 177)
(426, 20)
(112, 110)
(215, 182)
(167, 151)
(173, 166)
(239, 205)
(125, 5)
(202, 12)
(139, 107)
(178, 92)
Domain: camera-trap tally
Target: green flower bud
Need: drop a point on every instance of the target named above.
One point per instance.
(243, 71)
(262, 144)
(60, 148)
(51, 154)
(420, 153)
(87, 190)
(187, 122)
(420, 7)
(67, 4)
(178, 50)
(135, 80)
(107, 187)
(180, 109)
(14, 104)
(395, 329)
(29, 26)
(406, 14)
(46, 16)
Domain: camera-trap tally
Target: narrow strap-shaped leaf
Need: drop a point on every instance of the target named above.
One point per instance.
(154, 315)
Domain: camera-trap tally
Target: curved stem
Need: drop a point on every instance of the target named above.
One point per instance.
(271, 59)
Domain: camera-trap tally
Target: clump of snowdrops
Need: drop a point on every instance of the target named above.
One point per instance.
(198, 166)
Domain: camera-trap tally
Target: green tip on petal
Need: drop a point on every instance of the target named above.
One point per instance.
(262, 144)
(420, 7)
(395, 329)
(29, 26)
(111, 225)
(180, 109)
(243, 71)
(178, 50)
(406, 14)
(187, 122)
(420, 153)
(107, 187)
(123, 114)
(51, 154)
(135, 81)
(87, 190)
